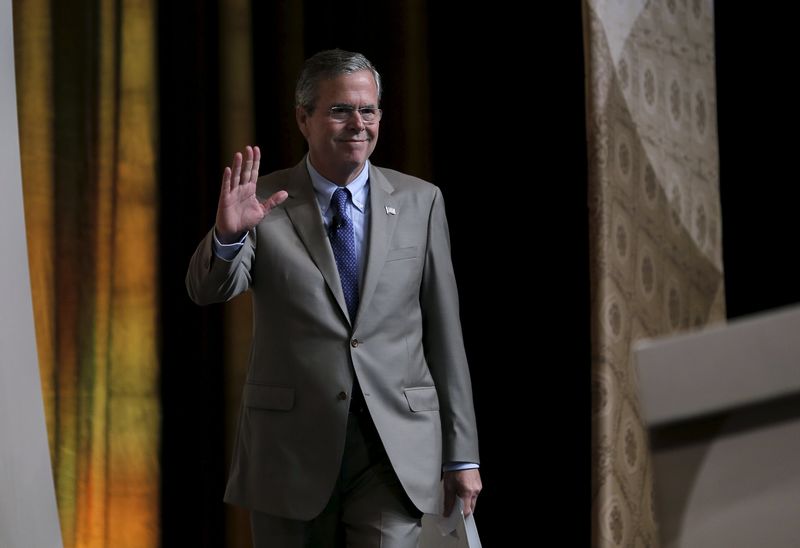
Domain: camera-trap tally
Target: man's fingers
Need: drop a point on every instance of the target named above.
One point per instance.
(274, 200)
(236, 169)
(449, 501)
(469, 504)
(248, 165)
(244, 168)
(466, 484)
(226, 181)
(256, 163)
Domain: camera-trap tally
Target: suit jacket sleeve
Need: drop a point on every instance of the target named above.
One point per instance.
(443, 342)
(211, 279)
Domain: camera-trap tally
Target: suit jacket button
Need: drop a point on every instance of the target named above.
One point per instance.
(354, 343)
(342, 395)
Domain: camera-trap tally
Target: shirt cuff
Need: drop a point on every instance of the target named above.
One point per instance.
(227, 252)
(453, 466)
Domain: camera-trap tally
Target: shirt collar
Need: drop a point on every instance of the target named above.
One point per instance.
(324, 188)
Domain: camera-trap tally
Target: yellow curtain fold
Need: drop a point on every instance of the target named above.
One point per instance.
(86, 82)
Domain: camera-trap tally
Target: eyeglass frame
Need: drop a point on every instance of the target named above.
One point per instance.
(350, 110)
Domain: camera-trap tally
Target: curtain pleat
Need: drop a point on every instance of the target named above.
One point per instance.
(87, 107)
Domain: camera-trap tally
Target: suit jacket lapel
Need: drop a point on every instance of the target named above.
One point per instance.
(303, 210)
(381, 229)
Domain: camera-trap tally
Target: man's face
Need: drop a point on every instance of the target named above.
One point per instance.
(339, 149)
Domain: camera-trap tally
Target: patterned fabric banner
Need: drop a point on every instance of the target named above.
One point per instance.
(655, 224)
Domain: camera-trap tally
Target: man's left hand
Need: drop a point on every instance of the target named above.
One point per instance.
(465, 484)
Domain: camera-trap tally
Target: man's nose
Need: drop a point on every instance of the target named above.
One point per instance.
(356, 122)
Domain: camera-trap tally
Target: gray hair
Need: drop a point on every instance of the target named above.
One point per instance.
(324, 66)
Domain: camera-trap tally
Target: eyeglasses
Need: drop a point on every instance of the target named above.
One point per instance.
(342, 113)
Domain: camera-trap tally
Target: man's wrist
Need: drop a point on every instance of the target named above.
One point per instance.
(224, 251)
(225, 238)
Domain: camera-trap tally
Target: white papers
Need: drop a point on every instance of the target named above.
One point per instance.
(453, 531)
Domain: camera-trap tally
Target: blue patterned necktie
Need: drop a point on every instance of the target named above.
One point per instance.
(343, 242)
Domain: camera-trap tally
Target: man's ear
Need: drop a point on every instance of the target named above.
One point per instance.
(301, 116)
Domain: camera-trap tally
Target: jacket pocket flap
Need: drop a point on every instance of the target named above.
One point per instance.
(402, 253)
(264, 396)
(423, 398)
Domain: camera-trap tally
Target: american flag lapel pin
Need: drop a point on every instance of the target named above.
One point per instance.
(390, 210)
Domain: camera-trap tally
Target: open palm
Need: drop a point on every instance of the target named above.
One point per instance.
(239, 208)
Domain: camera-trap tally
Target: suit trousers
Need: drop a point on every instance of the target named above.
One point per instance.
(368, 508)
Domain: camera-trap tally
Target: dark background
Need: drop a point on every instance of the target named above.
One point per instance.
(508, 149)
(758, 127)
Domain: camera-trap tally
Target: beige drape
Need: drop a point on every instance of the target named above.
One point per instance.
(656, 251)
(87, 109)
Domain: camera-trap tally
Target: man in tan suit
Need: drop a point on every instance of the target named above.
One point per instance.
(357, 402)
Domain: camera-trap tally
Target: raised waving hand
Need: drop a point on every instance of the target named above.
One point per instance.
(239, 208)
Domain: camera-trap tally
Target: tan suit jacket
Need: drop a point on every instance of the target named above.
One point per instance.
(405, 346)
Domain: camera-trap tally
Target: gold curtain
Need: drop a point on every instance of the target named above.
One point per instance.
(656, 251)
(86, 90)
